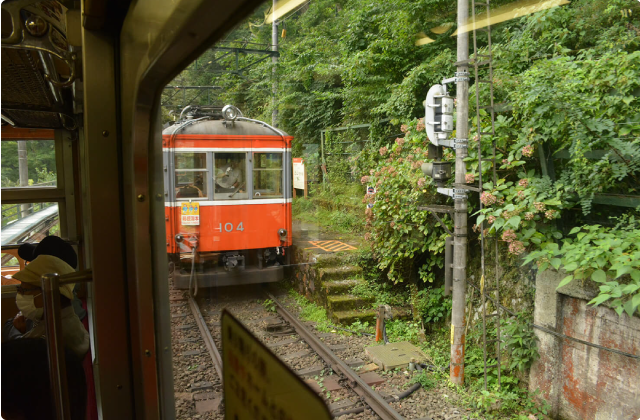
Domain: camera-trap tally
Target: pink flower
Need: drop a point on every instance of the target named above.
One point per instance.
(528, 216)
(539, 206)
(524, 182)
(392, 224)
(491, 219)
(420, 126)
(469, 178)
(422, 182)
(550, 214)
(404, 128)
(419, 150)
(520, 195)
(476, 137)
(383, 151)
(367, 236)
(509, 235)
(364, 180)
(527, 150)
(505, 161)
(400, 160)
(488, 198)
(371, 172)
(516, 247)
(400, 141)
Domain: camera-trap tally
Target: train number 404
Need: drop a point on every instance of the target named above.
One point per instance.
(228, 227)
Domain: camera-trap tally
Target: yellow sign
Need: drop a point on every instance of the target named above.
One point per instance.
(190, 214)
(257, 385)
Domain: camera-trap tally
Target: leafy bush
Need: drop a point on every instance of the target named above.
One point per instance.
(607, 256)
(520, 341)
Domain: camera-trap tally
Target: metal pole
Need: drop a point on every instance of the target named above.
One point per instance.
(456, 374)
(23, 173)
(55, 346)
(274, 62)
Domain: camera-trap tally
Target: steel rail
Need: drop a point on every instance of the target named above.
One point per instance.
(207, 337)
(369, 396)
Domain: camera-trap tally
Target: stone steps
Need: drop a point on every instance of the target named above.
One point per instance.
(349, 317)
(347, 302)
(339, 273)
(338, 287)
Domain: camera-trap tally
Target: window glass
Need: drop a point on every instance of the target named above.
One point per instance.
(267, 175)
(191, 175)
(230, 180)
(191, 160)
(37, 158)
(29, 222)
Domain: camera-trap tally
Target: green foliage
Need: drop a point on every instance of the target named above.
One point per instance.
(400, 330)
(433, 305)
(41, 162)
(400, 233)
(309, 311)
(269, 305)
(426, 380)
(520, 341)
(609, 257)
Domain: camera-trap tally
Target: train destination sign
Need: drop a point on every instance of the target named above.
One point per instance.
(257, 385)
(190, 214)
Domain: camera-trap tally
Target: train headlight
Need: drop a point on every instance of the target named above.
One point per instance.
(179, 238)
(282, 233)
(230, 112)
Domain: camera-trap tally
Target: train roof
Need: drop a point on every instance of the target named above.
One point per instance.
(218, 127)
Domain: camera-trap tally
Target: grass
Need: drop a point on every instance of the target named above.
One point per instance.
(334, 207)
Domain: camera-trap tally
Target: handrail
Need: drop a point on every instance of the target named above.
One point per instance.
(55, 346)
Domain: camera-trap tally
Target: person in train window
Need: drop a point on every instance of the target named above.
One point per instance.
(28, 322)
(26, 389)
(229, 177)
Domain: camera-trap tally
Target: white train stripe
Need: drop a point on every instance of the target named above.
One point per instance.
(230, 202)
(226, 149)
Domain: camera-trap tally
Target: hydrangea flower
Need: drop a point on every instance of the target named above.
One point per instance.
(422, 182)
(469, 178)
(528, 216)
(364, 180)
(488, 198)
(404, 128)
(523, 182)
(383, 151)
(516, 247)
(400, 141)
(509, 235)
(539, 206)
(527, 150)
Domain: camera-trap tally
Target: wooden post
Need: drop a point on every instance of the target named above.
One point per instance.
(306, 188)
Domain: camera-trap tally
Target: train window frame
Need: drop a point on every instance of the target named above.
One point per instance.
(255, 169)
(63, 193)
(205, 176)
(228, 195)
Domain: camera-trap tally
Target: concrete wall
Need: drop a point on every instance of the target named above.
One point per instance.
(581, 381)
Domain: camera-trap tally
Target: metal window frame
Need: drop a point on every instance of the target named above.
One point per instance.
(63, 194)
(158, 39)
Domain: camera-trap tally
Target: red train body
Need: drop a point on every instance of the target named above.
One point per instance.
(227, 201)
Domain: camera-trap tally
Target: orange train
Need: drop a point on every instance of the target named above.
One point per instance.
(227, 199)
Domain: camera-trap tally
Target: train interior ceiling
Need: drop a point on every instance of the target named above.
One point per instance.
(83, 159)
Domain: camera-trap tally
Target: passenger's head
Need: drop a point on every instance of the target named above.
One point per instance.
(51, 245)
(26, 391)
(29, 293)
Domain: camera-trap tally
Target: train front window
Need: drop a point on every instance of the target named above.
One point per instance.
(230, 176)
(190, 175)
(267, 175)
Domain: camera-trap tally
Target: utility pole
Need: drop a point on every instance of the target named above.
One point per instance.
(23, 173)
(274, 61)
(456, 373)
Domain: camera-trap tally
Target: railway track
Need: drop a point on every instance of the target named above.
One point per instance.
(327, 365)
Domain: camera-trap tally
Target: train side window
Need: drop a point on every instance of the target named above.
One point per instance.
(230, 176)
(267, 175)
(191, 175)
(29, 164)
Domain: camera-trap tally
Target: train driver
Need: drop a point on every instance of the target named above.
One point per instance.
(229, 177)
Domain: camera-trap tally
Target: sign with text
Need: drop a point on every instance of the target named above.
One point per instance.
(257, 385)
(299, 180)
(190, 214)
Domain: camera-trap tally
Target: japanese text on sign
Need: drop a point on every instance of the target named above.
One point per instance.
(190, 214)
(298, 173)
(257, 385)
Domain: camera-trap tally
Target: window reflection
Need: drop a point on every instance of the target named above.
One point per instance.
(190, 175)
(267, 175)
